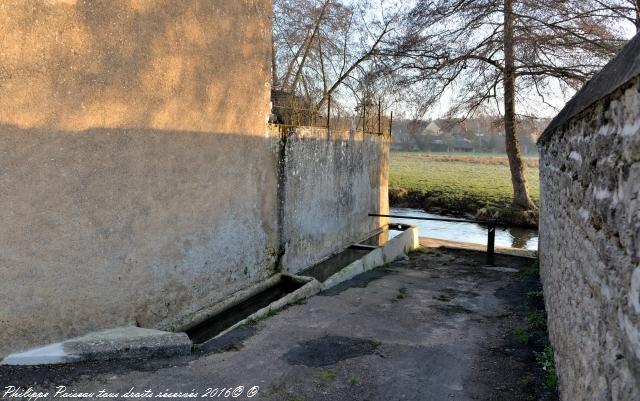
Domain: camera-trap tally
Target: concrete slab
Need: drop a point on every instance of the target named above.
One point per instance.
(436, 327)
(118, 343)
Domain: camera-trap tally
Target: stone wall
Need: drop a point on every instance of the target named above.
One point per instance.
(590, 238)
(331, 183)
(140, 183)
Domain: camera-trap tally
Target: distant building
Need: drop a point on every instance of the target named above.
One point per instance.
(432, 129)
(460, 144)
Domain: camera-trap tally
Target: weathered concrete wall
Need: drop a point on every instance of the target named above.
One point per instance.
(331, 183)
(138, 178)
(140, 182)
(590, 241)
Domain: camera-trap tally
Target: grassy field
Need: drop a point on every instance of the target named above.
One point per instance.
(458, 183)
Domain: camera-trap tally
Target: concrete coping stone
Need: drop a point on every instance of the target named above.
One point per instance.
(621, 69)
(201, 315)
(117, 343)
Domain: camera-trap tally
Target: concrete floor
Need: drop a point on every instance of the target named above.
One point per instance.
(436, 327)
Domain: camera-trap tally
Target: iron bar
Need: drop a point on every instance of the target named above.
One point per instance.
(393, 216)
(491, 244)
(491, 231)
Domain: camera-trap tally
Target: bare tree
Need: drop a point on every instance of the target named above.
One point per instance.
(499, 54)
(628, 10)
(321, 45)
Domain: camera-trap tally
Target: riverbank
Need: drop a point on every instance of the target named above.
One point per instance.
(460, 185)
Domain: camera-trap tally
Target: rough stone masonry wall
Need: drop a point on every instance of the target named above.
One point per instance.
(332, 181)
(138, 182)
(590, 247)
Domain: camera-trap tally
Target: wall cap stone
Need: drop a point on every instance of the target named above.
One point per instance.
(620, 70)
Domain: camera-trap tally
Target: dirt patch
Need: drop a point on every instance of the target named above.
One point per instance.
(450, 310)
(361, 281)
(329, 350)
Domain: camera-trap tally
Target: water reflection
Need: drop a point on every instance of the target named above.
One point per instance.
(515, 237)
(522, 236)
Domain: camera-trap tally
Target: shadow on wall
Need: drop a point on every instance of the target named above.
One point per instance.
(135, 63)
(109, 227)
(139, 179)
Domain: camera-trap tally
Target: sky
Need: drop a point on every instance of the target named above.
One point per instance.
(532, 103)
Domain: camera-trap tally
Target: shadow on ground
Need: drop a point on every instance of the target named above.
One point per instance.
(439, 326)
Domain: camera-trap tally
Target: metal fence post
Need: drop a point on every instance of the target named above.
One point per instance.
(491, 242)
(379, 116)
(329, 112)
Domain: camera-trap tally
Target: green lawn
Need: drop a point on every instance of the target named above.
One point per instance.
(467, 184)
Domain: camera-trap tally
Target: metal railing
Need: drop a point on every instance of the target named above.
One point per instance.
(491, 229)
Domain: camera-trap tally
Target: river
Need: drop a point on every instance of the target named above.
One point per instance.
(521, 238)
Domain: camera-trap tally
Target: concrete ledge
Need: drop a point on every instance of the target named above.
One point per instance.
(309, 289)
(373, 259)
(394, 249)
(193, 319)
(118, 343)
(398, 247)
(345, 274)
(439, 243)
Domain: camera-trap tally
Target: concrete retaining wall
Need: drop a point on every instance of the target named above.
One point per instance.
(140, 183)
(332, 181)
(590, 238)
(137, 180)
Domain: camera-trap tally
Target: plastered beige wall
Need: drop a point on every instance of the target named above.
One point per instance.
(138, 178)
(188, 65)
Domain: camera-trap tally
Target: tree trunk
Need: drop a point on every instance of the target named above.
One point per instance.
(521, 200)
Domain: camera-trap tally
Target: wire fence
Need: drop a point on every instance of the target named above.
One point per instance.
(293, 110)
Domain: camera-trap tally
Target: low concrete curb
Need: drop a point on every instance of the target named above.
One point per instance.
(309, 289)
(193, 319)
(441, 243)
(118, 343)
(395, 249)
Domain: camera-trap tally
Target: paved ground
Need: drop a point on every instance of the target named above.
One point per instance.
(436, 327)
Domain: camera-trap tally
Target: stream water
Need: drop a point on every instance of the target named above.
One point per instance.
(521, 238)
